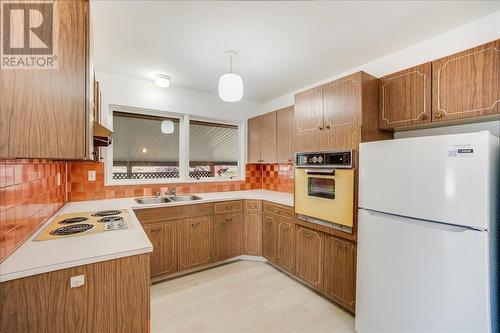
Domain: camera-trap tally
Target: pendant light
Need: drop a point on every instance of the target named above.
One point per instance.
(230, 84)
(162, 80)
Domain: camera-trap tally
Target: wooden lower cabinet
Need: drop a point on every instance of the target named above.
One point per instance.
(163, 237)
(114, 298)
(309, 249)
(227, 235)
(269, 235)
(285, 245)
(339, 271)
(195, 241)
(252, 228)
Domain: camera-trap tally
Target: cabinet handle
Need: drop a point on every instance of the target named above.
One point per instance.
(269, 221)
(195, 224)
(155, 229)
(327, 126)
(277, 211)
(320, 128)
(228, 219)
(438, 115)
(423, 117)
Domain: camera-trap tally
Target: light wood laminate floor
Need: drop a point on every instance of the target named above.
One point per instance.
(243, 296)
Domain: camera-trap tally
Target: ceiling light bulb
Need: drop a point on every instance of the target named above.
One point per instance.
(162, 81)
(144, 150)
(167, 126)
(230, 84)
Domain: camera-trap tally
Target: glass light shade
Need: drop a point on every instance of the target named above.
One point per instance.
(167, 126)
(230, 87)
(162, 81)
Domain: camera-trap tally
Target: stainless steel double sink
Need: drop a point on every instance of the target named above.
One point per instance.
(166, 199)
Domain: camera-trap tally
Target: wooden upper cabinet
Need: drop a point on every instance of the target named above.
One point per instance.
(405, 97)
(163, 236)
(262, 139)
(195, 241)
(45, 113)
(309, 110)
(227, 235)
(268, 138)
(284, 125)
(308, 256)
(253, 144)
(467, 84)
(339, 271)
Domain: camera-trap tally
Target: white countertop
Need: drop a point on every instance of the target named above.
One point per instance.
(33, 258)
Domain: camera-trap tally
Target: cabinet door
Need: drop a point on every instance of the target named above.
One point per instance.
(467, 84)
(285, 244)
(308, 256)
(163, 237)
(268, 138)
(252, 228)
(269, 235)
(339, 271)
(342, 112)
(45, 112)
(308, 129)
(284, 125)
(195, 240)
(227, 235)
(253, 144)
(405, 97)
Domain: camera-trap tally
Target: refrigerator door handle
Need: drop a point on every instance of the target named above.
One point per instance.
(425, 223)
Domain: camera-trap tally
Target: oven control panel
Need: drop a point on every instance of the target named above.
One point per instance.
(336, 159)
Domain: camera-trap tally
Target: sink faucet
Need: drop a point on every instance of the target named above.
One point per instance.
(157, 194)
(172, 192)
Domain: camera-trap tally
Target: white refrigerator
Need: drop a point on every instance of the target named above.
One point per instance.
(428, 235)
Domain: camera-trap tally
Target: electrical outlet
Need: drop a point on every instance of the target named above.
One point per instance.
(77, 281)
(91, 175)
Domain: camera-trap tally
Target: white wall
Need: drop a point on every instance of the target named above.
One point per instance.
(475, 33)
(132, 92)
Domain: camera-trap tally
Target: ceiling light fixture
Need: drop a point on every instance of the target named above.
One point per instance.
(162, 80)
(144, 150)
(167, 126)
(230, 84)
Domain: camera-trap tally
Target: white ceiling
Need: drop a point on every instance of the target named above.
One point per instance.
(282, 45)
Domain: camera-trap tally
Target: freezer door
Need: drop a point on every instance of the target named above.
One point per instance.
(440, 178)
(416, 276)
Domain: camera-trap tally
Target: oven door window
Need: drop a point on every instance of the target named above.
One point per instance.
(321, 187)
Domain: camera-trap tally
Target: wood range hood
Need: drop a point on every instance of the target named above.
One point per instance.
(102, 135)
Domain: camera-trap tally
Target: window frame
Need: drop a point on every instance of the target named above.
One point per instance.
(184, 122)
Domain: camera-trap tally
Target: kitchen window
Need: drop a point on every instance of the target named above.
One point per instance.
(141, 150)
(195, 150)
(213, 150)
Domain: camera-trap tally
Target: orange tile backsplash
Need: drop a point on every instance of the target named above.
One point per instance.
(277, 177)
(29, 195)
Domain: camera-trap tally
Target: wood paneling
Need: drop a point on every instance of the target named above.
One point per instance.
(405, 97)
(45, 112)
(339, 271)
(195, 241)
(227, 235)
(269, 236)
(268, 137)
(284, 126)
(309, 110)
(115, 298)
(252, 228)
(254, 139)
(285, 244)
(309, 256)
(228, 206)
(146, 215)
(467, 84)
(163, 236)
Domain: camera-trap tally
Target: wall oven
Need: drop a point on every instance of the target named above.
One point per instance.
(324, 187)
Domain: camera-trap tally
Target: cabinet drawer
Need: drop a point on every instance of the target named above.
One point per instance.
(152, 215)
(253, 205)
(281, 210)
(228, 206)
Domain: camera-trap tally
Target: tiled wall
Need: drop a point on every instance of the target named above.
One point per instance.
(29, 195)
(270, 176)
